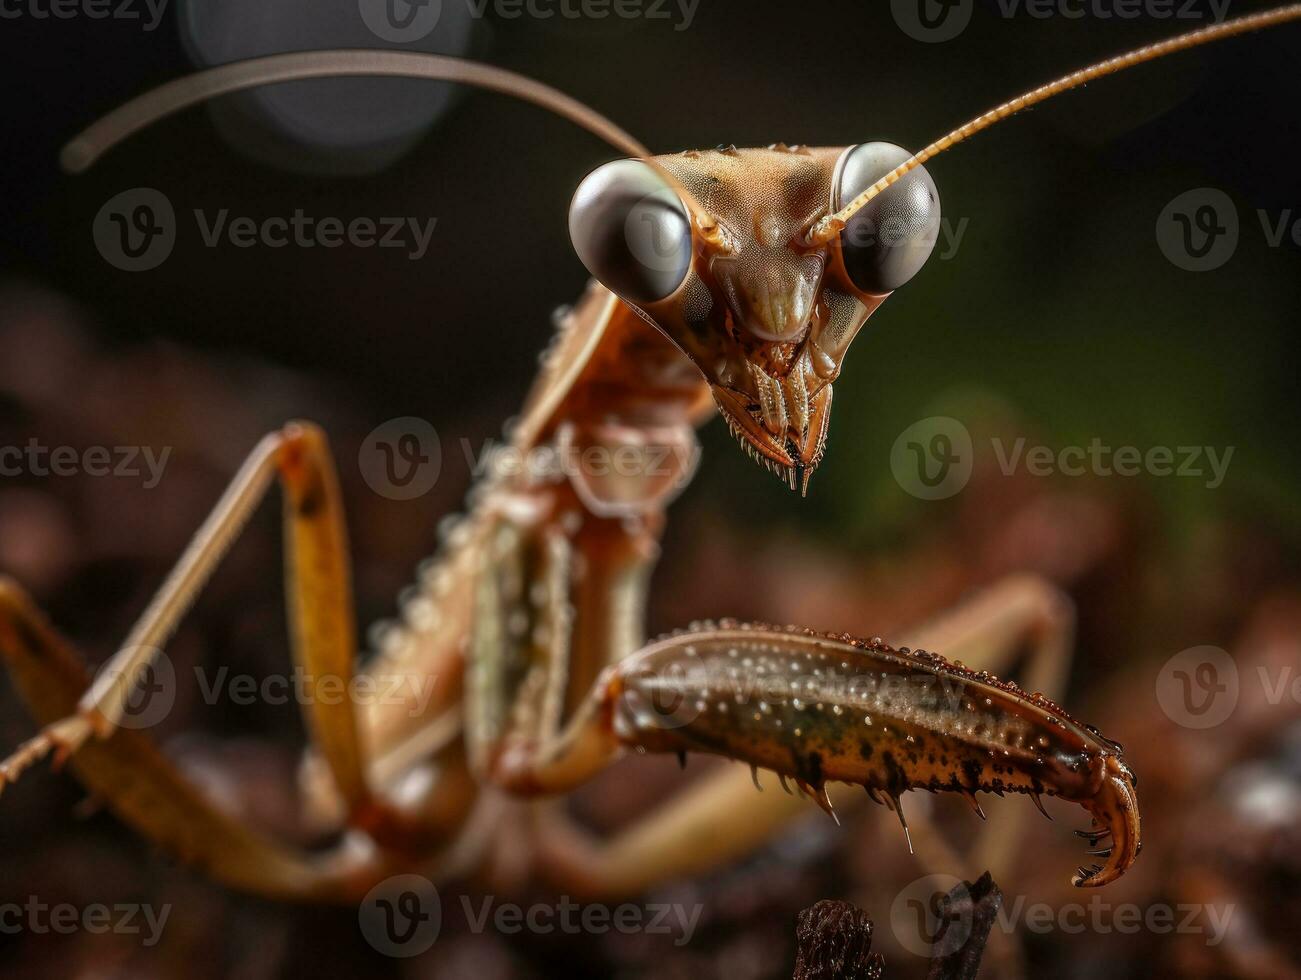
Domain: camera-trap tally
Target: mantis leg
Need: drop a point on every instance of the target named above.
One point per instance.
(322, 634)
(722, 818)
(145, 789)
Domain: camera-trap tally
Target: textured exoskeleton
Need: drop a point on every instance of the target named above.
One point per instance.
(726, 278)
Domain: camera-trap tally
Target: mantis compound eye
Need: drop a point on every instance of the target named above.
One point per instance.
(887, 242)
(631, 230)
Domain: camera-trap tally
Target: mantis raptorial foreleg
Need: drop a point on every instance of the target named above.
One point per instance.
(722, 818)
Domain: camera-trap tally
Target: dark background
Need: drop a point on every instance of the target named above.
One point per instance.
(1059, 294)
(1059, 318)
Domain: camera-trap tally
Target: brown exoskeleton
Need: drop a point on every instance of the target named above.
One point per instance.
(735, 278)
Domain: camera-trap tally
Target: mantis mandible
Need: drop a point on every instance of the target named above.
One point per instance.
(730, 280)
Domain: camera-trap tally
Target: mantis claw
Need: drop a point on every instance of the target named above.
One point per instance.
(817, 708)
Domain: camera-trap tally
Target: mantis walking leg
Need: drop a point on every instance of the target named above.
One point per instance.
(322, 634)
(145, 789)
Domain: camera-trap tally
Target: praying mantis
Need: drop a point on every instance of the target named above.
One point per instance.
(729, 280)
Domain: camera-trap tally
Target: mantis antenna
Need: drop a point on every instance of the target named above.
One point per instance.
(105, 133)
(831, 225)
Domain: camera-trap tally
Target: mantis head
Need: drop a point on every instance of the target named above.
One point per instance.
(729, 264)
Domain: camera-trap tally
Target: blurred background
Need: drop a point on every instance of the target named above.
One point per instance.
(1066, 311)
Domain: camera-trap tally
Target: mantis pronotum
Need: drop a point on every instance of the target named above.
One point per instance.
(732, 278)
